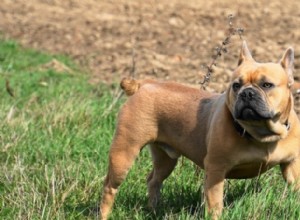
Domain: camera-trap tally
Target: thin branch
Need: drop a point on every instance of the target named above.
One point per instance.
(9, 90)
(133, 55)
(219, 50)
(113, 103)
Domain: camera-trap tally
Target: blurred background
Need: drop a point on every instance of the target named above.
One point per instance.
(168, 39)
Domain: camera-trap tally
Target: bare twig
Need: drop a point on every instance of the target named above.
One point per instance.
(120, 93)
(219, 50)
(9, 90)
(133, 68)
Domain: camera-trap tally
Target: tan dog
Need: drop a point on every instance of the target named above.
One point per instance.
(238, 134)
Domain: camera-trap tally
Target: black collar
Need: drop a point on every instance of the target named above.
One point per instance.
(243, 133)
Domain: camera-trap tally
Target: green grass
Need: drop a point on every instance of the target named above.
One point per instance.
(55, 138)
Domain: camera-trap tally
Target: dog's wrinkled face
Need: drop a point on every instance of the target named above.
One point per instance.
(260, 92)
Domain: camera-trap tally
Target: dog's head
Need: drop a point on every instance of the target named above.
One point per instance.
(259, 97)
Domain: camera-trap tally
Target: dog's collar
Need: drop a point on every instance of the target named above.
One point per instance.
(243, 133)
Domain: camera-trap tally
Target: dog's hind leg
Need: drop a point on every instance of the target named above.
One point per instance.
(127, 143)
(163, 165)
(121, 157)
(136, 127)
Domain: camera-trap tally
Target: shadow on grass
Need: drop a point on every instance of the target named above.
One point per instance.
(180, 203)
(176, 201)
(172, 204)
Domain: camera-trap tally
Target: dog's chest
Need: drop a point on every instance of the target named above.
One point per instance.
(256, 161)
(281, 154)
(270, 154)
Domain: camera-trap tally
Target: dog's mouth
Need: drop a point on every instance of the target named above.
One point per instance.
(249, 113)
(251, 106)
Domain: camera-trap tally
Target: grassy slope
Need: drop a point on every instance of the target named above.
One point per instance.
(54, 147)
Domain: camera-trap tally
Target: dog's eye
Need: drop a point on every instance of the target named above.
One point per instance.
(236, 86)
(267, 85)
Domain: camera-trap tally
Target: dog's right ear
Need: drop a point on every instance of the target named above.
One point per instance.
(245, 53)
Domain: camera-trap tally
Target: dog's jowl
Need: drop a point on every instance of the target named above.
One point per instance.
(238, 134)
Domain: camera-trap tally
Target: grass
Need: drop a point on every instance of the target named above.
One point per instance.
(55, 138)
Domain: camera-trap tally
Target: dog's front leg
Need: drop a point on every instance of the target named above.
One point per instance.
(214, 187)
(291, 172)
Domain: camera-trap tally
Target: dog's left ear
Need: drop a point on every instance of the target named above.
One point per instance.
(287, 62)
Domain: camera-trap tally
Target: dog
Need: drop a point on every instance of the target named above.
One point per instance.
(241, 133)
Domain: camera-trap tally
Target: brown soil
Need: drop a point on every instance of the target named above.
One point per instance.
(168, 39)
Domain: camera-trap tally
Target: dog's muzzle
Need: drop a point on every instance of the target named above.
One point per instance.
(250, 105)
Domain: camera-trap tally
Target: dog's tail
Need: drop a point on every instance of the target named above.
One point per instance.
(130, 86)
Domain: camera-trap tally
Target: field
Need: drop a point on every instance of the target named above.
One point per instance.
(62, 71)
(55, 135)
(171, 39)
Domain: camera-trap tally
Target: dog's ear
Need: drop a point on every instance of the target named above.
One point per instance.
(245, 53)
(287, 62)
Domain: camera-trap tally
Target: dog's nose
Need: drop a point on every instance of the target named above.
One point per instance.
(247, 94)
